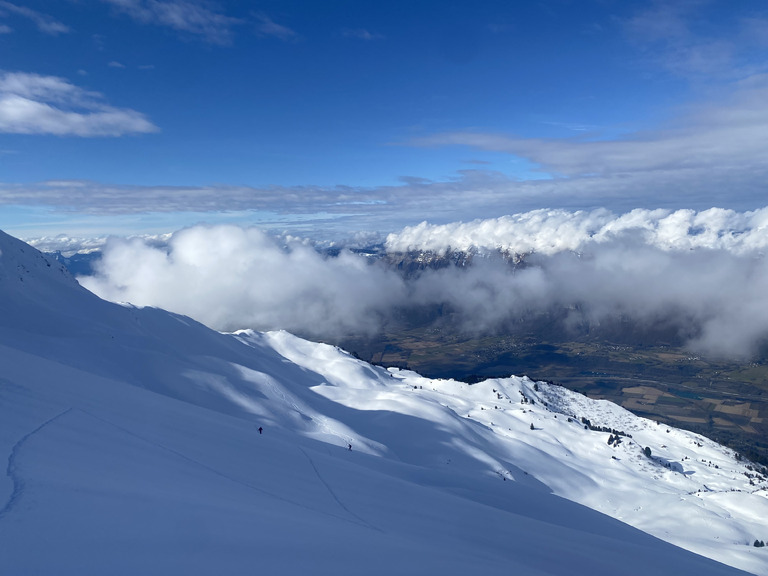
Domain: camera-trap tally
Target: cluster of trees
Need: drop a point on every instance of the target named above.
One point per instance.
(760, 472)
(759, 544)
(613, 431)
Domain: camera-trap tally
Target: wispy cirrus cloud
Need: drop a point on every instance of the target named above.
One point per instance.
(45, 23)
(361, 34)
(694, 162)
(711, 139)
(331, 211)
(671, 35)
(266, 26)
(99, 198)
(199, 19)
(37, 104)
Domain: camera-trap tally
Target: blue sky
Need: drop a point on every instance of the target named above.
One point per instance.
(328, 118)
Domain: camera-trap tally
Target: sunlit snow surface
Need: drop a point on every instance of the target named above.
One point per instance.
(131, 446)
(692, 491)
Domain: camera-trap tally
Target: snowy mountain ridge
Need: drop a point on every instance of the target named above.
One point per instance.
(139, 441)
(567, 449)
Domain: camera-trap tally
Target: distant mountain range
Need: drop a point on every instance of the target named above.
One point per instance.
(78, 264)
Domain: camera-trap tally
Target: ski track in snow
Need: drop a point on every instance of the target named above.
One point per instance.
(333, 494)
(235, 480)
(304, 411)
(12, 469)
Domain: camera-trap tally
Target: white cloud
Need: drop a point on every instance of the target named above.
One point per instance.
(552, 231)
(209, 272)
(188, 16)
(50, 88)
(35, 104)
(703, 273)
(67, 245)
(696, 161)
(472, 194)
(44, 23)
(728, 136)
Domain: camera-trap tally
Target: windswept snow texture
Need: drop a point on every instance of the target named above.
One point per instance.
(131, 446)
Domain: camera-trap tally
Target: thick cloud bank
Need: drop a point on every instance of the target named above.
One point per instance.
(705, 273)
(231, 278)
(552, 231)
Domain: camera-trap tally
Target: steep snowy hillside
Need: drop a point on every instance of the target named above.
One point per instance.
(691, 491)
(133, 446)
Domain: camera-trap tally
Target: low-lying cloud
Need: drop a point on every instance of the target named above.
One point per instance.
(705, 273)
(231, 278)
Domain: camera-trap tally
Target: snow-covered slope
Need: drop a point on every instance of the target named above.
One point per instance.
(691, 491)
(132, 446)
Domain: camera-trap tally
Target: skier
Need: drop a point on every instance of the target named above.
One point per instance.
(349, 446)
(260, 429)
